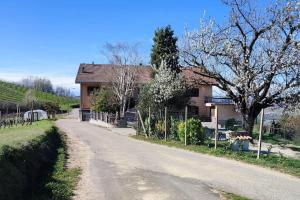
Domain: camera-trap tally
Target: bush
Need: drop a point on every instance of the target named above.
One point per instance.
(174, 130)
(195, 131)
(229, 124)
(160, 128)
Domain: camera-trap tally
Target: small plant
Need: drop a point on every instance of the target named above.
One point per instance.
(159, 128)
(195, 131)
(174, 130)
(230, 124)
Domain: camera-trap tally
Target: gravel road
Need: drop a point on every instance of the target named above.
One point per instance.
(119, 167)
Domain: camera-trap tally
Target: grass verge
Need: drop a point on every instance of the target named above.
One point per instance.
(63, 181)
(280, 163)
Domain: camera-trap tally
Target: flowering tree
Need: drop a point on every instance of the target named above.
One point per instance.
(167, 85)
(254, 57)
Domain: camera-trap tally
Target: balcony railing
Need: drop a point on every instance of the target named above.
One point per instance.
(218, 100)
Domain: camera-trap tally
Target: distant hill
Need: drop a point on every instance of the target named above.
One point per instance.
(11, 93)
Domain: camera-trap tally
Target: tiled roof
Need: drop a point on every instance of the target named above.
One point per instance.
(105, 73)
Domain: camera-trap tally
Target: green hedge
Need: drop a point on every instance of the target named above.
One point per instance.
(23, 170)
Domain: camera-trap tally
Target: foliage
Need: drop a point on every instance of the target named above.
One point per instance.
(195, 131)
(103, 100)
(166, 86)
(37, 83)
(279, 163)
(160, 128)
(174, 129)
(230, 124)
(165, 48)
(15, 94)
(254, 58)
(51, 108)
(146, 100)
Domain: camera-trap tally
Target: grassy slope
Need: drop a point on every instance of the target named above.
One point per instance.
(61, 181)
(13, 93)
(280, 163)
(20, 134)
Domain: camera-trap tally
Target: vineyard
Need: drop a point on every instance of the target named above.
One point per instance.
(11, 93)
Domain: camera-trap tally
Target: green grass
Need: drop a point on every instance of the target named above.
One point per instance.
(283, 164)
(21, 134)
(13, 93)
(62, 181)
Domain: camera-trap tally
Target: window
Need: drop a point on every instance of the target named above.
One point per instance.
(92, 89)
(193, 110)
(194, 92)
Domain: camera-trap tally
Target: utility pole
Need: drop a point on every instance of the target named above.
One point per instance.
(260, 132)
(217, 128)
(185, 126)
(149, 121)
(166, 123)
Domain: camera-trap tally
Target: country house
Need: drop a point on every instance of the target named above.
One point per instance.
(201, 103)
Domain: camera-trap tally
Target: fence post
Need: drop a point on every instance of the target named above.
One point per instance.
(140, 116)
(166, 123)
(31, 116)
(149, 120)
(217, 128)
(185, 125)
(260, 132)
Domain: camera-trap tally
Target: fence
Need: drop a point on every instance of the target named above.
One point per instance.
(104, 116)
(164, 123)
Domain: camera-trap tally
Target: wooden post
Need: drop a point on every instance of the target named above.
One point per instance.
(185, 125)
(149, 121)
(0, 115)
(166, 123)
(31, 116)
(217, 128)
(140, 116)
(260, 132)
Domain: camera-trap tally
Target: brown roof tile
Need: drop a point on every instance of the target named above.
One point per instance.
(105, 73)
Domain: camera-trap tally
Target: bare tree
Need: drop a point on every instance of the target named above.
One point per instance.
(254, 57)
(126, 58)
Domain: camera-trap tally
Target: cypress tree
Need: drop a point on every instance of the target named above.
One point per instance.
(165, 48)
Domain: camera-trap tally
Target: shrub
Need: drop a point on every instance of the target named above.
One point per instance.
(174, 130)
(229, 124)
(195, 131)
(103, 100)
(159, 128)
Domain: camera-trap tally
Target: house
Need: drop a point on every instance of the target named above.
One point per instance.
(93, 76)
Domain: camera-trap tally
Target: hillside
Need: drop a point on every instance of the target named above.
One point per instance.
(15, 94)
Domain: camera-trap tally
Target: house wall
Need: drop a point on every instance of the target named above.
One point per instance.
(204, 91)
(225, 112)
(199, 101)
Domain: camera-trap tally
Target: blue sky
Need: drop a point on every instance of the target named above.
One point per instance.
(51, 38)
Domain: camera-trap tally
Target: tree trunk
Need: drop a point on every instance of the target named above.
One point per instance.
(250, 121)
